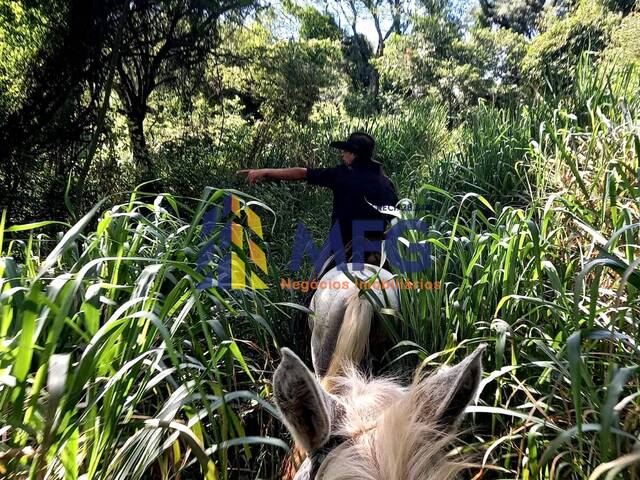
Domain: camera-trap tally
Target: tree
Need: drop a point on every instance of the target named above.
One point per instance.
(518, 15)
(395, 13)
(61, 79)
(553, 55)
(279, 80)
(624, 47)
(439, 59)
(357, 51)
(358, 54)
(314, 24)
(162, 40)
(624, 6)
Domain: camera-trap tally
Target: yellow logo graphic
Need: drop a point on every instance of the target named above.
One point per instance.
(238, 271)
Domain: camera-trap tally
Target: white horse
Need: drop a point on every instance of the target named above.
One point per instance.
(353, 427)
(374, 429)
(342, 320)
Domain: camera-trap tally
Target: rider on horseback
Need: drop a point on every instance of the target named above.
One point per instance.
(357, 183)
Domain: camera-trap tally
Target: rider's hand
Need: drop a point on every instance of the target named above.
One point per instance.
(253, 175)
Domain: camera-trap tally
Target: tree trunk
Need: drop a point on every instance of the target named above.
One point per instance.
(375, 84)
(139, 147)
(375, 75)
(102, 113)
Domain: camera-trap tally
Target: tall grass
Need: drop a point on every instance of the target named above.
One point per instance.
(553, 285)
(115, 365)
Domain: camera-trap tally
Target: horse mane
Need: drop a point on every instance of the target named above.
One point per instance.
(353, 338)
(393, 438)
(292, 462)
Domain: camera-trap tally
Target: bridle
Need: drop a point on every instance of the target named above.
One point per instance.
(317, 456)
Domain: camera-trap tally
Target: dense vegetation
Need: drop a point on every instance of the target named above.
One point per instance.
(514, 129)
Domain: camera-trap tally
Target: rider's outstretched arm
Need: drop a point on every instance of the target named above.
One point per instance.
(287, 174)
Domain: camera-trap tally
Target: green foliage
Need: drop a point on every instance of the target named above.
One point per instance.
(624, 48)
(553, 285)
(491, 157)
(553, 55)
(22, 32)
(498, 54)
(114, 363)
(313, 23)
(359, 65)
(533, 213)
(625, 6)
(417, 64)
(520, 16)
(436, 61)
(162, 43)
(285, 78)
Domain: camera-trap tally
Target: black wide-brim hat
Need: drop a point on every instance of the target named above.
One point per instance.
(360, 143)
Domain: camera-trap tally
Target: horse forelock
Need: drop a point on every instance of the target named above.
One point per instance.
(387, 437)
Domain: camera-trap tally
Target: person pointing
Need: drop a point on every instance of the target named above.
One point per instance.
(358, 182)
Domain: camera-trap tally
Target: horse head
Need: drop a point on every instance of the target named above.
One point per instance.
(373, 428)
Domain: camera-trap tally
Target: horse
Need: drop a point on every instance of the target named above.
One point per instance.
(373, 428)
(354, 426)
(342, 324)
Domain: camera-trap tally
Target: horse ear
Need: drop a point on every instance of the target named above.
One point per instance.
(302, 402)
(445, 395)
